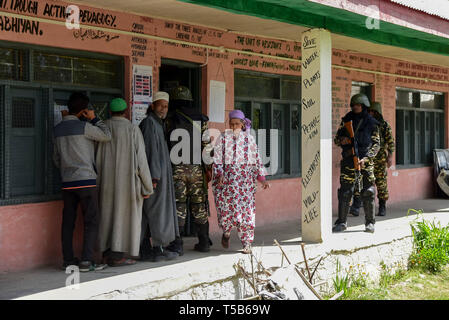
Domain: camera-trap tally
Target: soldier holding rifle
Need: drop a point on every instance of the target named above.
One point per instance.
(358, 136)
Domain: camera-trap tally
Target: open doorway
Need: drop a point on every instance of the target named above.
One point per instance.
(173, 73)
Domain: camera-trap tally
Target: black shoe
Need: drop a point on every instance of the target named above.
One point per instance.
(159, 254)
(73, 262)
(382, 209)
(201, 247)
(176, 246)
(369, 228)
(339, 227)
(86, 266)
(354, 211)
(204, 242)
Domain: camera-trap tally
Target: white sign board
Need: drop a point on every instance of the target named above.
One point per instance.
(217, 99)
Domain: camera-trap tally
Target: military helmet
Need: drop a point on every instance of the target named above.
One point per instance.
(360, 98)
(376, 106)
(181, 93)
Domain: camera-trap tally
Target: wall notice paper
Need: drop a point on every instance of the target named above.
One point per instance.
(217, 101)
(142, 91)
(57, 117)
(139, 111)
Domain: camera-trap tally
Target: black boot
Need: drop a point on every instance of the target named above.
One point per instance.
(369, 206)
(203, 236)
(344, 198)
(356, 204)
(177, 246)
(160, 254)
(382, 208)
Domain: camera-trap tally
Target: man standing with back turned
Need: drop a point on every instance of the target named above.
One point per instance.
(190, 174)
(124, 181)
(74, 155)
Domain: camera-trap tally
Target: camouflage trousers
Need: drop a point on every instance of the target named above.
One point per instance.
(380, 173)
(348, 191)
(380, 178)
(188, 180)
(347, 175)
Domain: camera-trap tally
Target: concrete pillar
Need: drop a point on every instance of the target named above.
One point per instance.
(316, 149)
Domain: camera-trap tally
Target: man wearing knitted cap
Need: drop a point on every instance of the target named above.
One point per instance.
(159, 211)
(125, 181)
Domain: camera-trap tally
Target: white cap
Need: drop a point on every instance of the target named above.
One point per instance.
(160, 95)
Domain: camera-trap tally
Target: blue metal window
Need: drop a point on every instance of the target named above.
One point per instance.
(419, 126)
(272, 102)
(30, 104)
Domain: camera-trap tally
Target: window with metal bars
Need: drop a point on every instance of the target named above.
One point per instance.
(419, 126)
(50, 67)
(362, 87)
(13, 64)
(31, 105)
(272, 102)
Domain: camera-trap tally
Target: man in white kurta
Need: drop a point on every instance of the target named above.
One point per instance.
(124, 181)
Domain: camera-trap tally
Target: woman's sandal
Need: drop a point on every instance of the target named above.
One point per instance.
(122, 262)
(225, 241)
(247, 249)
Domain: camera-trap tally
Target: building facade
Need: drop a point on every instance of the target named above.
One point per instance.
(116, 53)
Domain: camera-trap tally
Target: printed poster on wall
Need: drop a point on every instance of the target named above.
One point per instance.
(142, 92)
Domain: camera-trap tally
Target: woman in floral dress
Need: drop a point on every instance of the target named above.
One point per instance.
(237, 166)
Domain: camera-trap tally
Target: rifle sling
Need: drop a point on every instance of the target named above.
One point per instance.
(355, 132)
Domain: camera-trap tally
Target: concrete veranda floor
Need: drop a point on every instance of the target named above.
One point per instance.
(49, 282)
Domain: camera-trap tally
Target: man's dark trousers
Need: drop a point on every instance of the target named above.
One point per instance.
(88, 198)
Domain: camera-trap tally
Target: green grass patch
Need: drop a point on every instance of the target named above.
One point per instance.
(413, 284)
(426, 276)
(430, 245)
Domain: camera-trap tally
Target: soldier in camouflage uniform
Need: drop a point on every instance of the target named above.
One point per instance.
(382, 161)
(366, 144)
(190, 175)
(384, 158)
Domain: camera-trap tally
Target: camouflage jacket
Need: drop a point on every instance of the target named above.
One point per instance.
(191, 122)
(373, 147)
(386, 139)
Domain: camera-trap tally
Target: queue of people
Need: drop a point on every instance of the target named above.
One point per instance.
(134, 197)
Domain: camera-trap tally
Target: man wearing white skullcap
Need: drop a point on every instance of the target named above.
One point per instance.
(159, 211)
(161, 95)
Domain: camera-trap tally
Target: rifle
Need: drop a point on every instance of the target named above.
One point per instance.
(355, 158)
